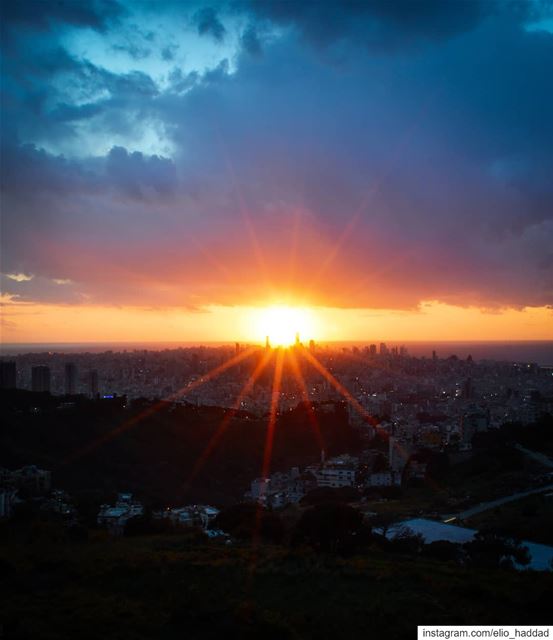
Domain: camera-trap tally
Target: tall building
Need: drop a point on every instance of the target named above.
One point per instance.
(70, 379)
(467, 391)
(40, 378)
(93, 383)
(312, 346)
(383, 349)
(7, 375)
(372, 350)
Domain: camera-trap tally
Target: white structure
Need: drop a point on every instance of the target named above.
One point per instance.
(541, 555)
(195, 515)
(114, 518)
(335, 476)
(279, 489)
(260, 487)
(7, 499)
(383, 479)
(29, 477)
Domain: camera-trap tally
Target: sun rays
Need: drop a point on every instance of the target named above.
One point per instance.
(283, 326)
(289, 359)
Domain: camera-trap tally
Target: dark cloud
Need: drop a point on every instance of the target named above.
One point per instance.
(385, 25)
(377, 182)
(250, 41)
(207, 22)
(168, 52)
(48, 93)
(37, 14)
(375, 23)
(139, 175)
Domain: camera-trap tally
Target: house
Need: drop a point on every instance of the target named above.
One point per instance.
(383, 479)
(114, 518)
(335, 476)
(195, 515)
(30, 477)
(7, 500)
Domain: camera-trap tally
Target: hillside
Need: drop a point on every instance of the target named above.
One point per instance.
(177, 586)
(152, 448)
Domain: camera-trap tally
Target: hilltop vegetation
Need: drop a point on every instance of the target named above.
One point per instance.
(103, 447)
(169, 587)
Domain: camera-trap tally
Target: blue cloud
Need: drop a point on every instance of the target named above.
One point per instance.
(422, 127)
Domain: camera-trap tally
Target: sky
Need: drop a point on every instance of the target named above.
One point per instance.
(169, 168)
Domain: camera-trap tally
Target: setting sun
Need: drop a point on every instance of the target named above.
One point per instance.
(281, 324)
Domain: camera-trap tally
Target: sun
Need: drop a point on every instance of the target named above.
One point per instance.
(281, 324)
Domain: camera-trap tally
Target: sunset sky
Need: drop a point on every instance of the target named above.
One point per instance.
(169, 169)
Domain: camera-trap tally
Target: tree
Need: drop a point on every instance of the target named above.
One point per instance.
(333, 528)
(145, 525)
(382, 522)
(405, 540)
(246, 521)
(322, 495)
(442, 550)
(492, 548)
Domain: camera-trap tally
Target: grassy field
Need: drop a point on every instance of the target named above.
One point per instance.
(169, 587)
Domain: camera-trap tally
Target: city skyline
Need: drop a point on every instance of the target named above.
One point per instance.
(276, 318)
(177, 172)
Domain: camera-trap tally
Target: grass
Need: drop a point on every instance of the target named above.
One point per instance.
(173, 587)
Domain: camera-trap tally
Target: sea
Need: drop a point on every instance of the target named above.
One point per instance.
(535, 351)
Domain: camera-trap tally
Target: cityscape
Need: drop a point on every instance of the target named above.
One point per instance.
(276, 319)
(428, 453)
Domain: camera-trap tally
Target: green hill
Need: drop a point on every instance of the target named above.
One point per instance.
(177, 587)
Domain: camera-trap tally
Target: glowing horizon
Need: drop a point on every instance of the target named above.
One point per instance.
(432, 321)
(146, 195)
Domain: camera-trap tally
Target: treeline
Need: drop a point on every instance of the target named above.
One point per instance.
(153, 448)
(338, 528)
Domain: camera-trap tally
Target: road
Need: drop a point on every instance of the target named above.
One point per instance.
(538, 457)
(484, 506)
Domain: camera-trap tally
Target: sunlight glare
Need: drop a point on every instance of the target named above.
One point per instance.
(281, 324)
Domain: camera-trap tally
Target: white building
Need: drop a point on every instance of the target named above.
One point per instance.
(7, 499)
(335, 476)
(114, 518)
(195, 515)
(383, 479)
(29, 477)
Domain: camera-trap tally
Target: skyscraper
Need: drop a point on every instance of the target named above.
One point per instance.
(70, 379)
(40, 378)
(93, 383)
(7, 375)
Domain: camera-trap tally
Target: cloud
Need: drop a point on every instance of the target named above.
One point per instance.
(250, 41)
(385, 175)
(207, 22)
(19, 277)
(95, 14)
(377, 24)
